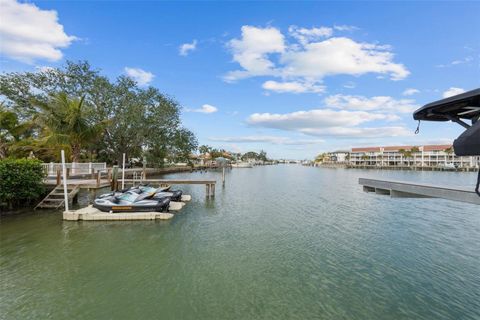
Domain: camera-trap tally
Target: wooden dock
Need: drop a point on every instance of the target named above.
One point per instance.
(401, 189)
(209, 184)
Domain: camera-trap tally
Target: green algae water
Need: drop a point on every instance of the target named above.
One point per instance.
(277, 242)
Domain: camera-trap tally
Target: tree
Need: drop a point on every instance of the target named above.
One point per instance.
(134, 120)
(407, 154)
(76, 79)
(262, 156)
(8, 124)
(204, 149)
(449, 152)
(414, 152)
(65, 121)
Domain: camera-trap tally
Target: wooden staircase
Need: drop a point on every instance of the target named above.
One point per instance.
(56, 200)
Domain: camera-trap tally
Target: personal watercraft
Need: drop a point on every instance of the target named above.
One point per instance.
(159, 193)
(131, 202)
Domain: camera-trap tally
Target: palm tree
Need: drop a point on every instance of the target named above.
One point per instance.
(204, 149)
(406, 154)
(66, 121)
(321, 158)
(449, 152)
(13, 134)
(414, 151)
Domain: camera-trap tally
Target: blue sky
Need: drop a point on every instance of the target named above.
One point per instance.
(292, 78)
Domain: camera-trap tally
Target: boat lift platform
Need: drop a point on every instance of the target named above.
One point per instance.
(401, 189)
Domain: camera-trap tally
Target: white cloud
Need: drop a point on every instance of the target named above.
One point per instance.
(206, 108)
(410, 92)
(185, 48)
(345, 28)
(28, 33)
(251, 51)
(304, 35)
(341, 56)
(349, 85)
(142, 77)
(327, 122)
(316, 118)
(356, 132)
(452, 91)
(456, 62)
(267, 139)
(308, 58)
(293, 87)
(378, 103)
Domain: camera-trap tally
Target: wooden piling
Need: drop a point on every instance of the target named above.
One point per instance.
(114, 184)
(99, 176)
(59, 177)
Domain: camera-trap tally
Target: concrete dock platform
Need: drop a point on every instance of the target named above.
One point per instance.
(93, 214)
(401, 189)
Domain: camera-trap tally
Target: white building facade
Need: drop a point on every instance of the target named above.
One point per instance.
(416, 156)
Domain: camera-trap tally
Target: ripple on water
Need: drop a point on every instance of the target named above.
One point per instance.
(281, 242)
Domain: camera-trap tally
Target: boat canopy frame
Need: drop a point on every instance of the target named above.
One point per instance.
(464, 106)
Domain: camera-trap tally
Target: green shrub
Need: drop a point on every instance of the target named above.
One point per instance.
(21, 181)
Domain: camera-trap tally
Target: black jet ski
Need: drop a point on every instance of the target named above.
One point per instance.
(159, 193)
(131, 202)
(133, 189)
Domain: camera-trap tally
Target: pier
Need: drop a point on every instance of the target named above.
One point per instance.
(103, 178)
(209, 184)
(401, 189)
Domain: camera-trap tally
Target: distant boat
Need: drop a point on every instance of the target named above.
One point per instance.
(449, 166)
(242, 165)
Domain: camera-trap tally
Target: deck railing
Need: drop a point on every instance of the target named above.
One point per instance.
(75, 168)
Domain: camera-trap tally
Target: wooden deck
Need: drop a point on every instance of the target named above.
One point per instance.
(82, 183)
(401, 189)
(209, 184)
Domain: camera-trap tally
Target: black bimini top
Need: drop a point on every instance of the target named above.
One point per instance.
(463, 106)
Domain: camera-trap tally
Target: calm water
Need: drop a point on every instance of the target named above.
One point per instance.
(280, 242)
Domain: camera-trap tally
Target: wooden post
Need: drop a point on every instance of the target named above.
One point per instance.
(65, 175)
(109, 175)
(207, 190)
(59, 176)
(144, 168)
(123, 172)
(68, 172)
(114, 183)
(99, 176)
(212, 186)
(223, 175)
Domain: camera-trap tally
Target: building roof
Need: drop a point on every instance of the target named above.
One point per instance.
(439, 147)
(397, 148)
(366, 149)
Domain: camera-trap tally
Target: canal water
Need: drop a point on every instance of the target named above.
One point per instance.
(277, 242)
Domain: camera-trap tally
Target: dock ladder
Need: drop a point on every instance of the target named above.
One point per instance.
(55, 199)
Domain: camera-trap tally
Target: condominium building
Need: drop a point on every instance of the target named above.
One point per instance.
(418, 156)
